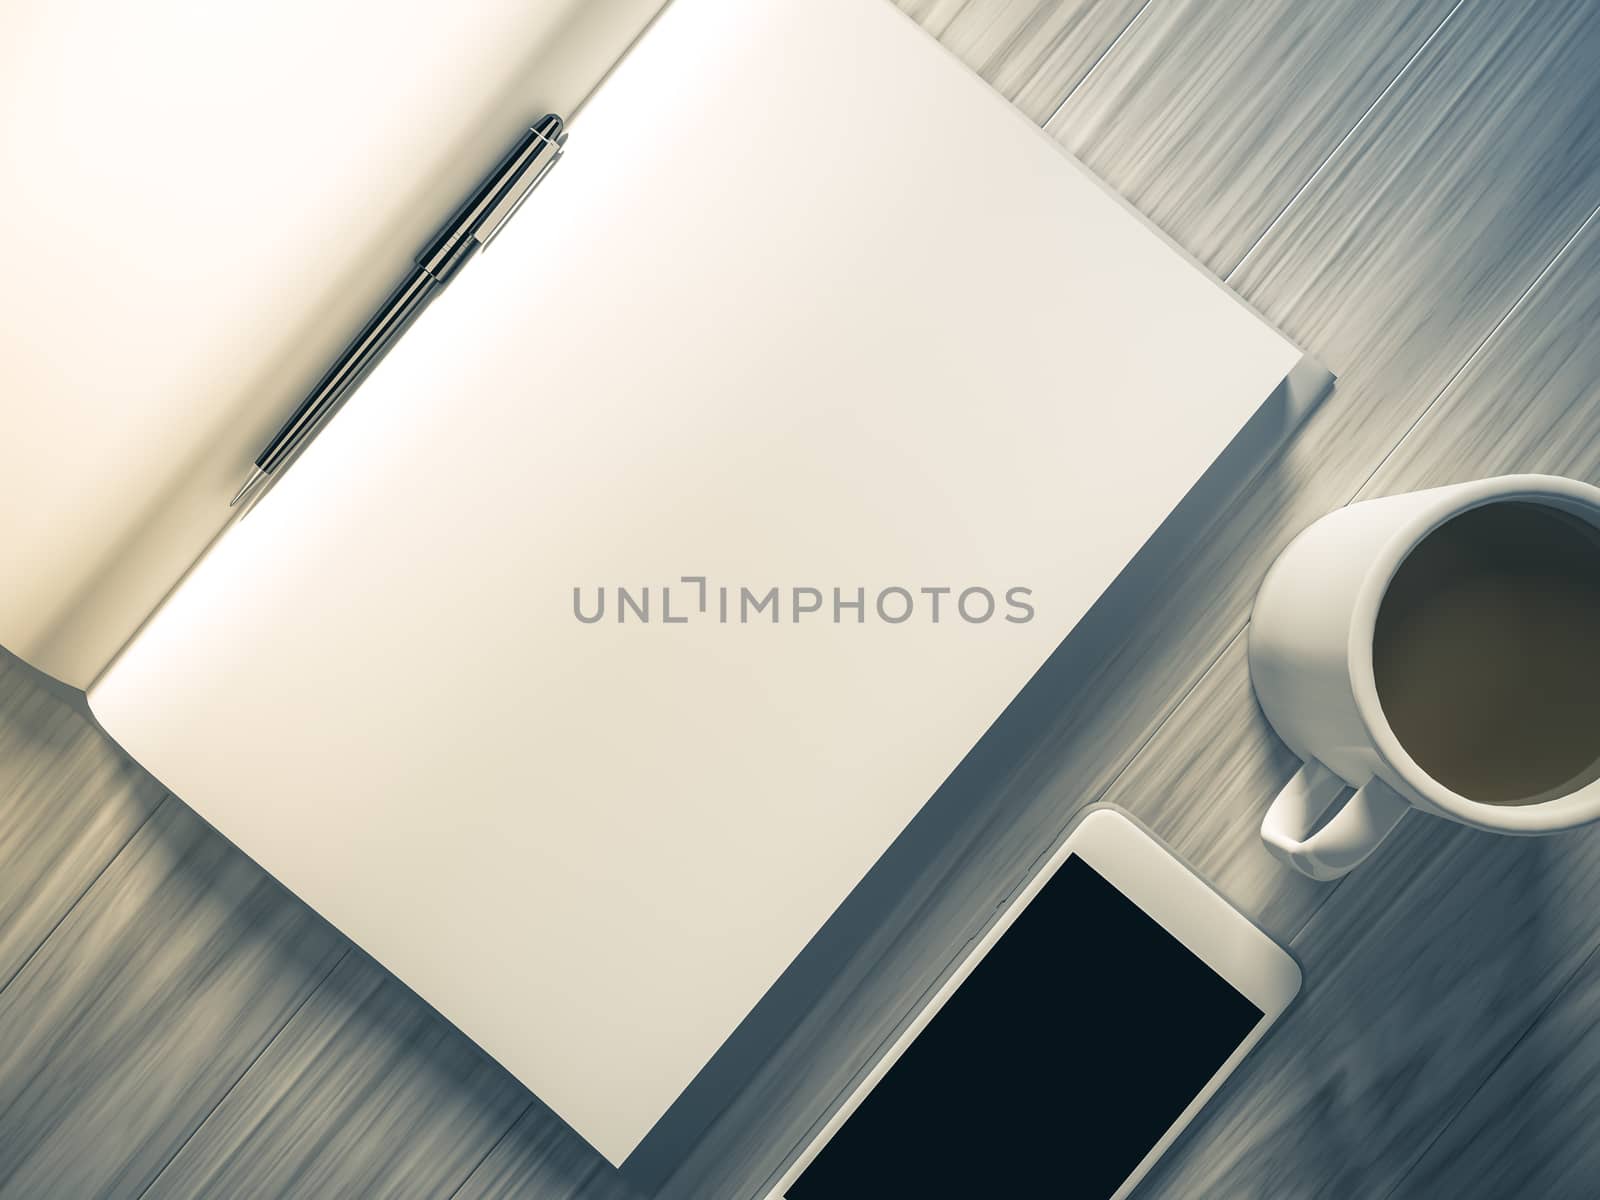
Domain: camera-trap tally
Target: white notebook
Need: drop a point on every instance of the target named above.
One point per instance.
(805, 306)
(210, 200)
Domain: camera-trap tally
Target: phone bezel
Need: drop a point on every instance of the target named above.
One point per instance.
(1137, 863)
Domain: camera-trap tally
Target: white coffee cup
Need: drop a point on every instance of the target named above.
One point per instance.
(1311, 664)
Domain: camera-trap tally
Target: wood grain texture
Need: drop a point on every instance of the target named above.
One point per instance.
(1033, 52)
(1361, 273)
(1210, 117)
(1422, 972)
(1394, 266)
(1529, 403)
(1204, 782)
(541, 1158)
(125, 1039)
(143, 1007)
(69, 800)
(1482, 160)
(1426, 965)
(366, 1092)
(1530, 1130)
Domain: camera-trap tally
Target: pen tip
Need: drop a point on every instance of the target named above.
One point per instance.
(248, 484)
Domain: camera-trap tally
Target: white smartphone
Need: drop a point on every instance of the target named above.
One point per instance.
(1072, 1042)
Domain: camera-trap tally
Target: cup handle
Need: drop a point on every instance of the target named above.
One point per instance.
(1351, 834)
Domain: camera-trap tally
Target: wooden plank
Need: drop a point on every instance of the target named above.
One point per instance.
(1421, 974)
(1503, 184)
(1488, 137)
(1359, 271)
(366, 1092)
(933, 15)
(1204, 782)
(1210, 117)
(144, 1007)
(1530, 1130)
(542, 1157)
(69, 800)
(1034, 52)
(1429, 962)
(1529, 401)
(1480, 162)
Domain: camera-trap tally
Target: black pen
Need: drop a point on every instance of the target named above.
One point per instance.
(472, 227)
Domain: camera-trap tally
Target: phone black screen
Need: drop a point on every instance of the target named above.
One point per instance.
(1052, 1070)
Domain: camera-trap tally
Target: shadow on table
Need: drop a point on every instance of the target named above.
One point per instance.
(1423, 971)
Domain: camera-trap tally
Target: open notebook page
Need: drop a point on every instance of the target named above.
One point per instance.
(805, 304)
(207, 201)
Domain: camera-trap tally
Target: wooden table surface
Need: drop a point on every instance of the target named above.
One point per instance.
(1408, 189)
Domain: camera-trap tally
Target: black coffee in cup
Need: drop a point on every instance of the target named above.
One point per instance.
(1487, 653)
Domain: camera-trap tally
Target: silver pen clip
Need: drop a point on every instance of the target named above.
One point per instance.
(506, 208)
